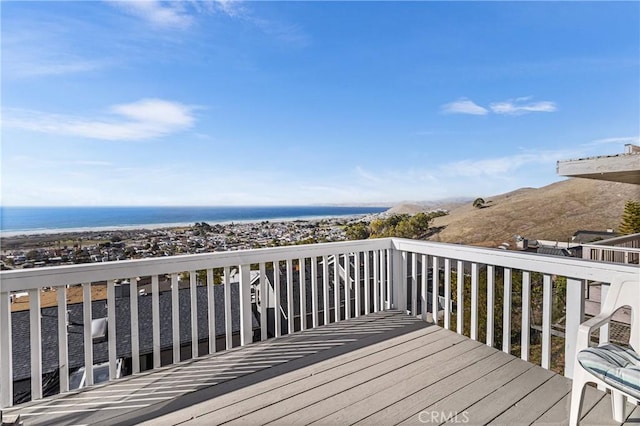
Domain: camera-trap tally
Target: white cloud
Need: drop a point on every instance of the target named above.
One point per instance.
(177, 14)
(502, 166)
(157, 13)
(518, 106)
(463, 106)
(144, 119)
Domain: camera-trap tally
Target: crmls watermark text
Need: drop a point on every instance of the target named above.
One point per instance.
(443, 417)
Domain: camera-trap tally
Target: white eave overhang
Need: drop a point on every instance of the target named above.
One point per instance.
(615, 168)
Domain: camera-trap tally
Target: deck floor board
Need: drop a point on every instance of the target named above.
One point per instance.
(379, 369)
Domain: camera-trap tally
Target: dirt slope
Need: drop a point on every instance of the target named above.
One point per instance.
(553, 212)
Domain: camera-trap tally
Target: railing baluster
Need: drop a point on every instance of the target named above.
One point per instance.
(314, 291)
(155, 318)
(175, 318)
(246, 329)
(389, 291)
(88, 341)
(367, 283)
(506, 312)
(604, 330)
(135, 341)
(460, 291)
(376, 281)
(384, 268)
(336, 287)
(6, 354)
(35, 317)
(228, 324)
(447, 293)
(414, 284)
(474, 300)
(290, 308)
(277, 315)
(264, 301)
(303, 292)
(575, 316)
(325, 289)
(347, 285)
(435, 278)
(112, 336)
(193, 293)
(424, 293)
(63, 345)
(211, 311)
(490, 303)
(526, 315)
(358, 305)
(547, 295)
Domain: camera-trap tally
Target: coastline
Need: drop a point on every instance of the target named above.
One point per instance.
(221, 236)
(168, 226)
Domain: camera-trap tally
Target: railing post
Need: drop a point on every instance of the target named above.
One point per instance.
(399, 283)
(6, 355)
(575, 314)
(246, 332)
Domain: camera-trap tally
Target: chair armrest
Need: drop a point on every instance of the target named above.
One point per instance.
(587, 327)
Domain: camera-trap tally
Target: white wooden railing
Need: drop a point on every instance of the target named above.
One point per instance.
(624, 249)
(380, 274)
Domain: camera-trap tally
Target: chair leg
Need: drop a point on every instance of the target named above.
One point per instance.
(577, 394)
(617, 406)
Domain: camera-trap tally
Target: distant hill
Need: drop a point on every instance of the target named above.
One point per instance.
(553, 212)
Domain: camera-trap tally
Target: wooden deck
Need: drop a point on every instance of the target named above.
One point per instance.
(380, 369)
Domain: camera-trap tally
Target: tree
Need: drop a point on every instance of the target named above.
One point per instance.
(478, 203)
(630, 223)
(357, 231)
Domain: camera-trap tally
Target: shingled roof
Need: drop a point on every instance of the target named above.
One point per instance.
(21, 333)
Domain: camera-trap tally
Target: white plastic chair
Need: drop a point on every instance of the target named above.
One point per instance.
(610, 366)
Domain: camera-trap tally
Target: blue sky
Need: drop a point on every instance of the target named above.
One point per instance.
(259, 103)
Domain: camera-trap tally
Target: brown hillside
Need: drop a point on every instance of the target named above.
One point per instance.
(553, 212)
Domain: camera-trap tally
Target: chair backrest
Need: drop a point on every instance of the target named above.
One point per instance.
(625, 291)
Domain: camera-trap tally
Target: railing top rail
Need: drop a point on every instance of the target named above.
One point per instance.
(616, 240)
(557, 265)
(24, 279)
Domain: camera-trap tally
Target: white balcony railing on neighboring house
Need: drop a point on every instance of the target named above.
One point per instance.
(309, 287)
(624, 249)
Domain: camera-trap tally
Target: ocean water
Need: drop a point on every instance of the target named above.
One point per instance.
(29, 220)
